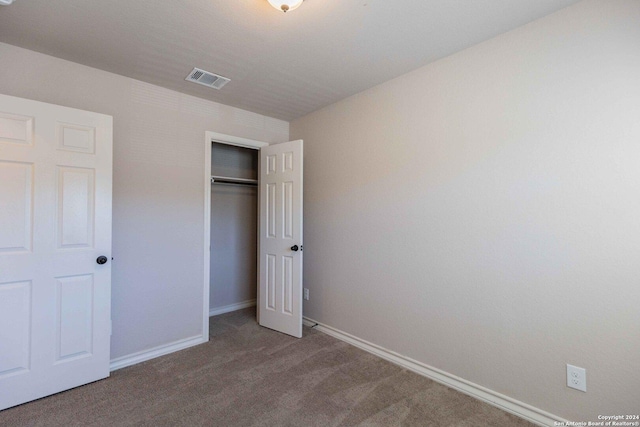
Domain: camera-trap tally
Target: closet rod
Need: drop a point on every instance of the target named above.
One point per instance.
(230, 180)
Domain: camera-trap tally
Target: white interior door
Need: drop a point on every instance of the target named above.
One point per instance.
(280, 275)
(55, 221)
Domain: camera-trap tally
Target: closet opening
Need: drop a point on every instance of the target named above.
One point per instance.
(253, 230)
(233, 279)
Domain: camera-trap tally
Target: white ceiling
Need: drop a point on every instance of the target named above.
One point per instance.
(280, 65)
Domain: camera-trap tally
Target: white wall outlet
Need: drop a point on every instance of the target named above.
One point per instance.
(577, 378)
(306, 294)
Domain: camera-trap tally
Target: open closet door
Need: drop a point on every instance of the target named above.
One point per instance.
(280, 241)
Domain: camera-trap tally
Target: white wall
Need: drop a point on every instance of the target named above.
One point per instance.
(158, 194)
(482, 214)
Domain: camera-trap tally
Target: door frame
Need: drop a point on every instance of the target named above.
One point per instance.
(220, 138)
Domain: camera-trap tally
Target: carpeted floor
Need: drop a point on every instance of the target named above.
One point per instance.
(251, 376)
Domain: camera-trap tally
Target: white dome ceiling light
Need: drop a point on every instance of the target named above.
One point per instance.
(285, 5)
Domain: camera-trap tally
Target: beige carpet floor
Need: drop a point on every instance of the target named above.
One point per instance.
(251, 376)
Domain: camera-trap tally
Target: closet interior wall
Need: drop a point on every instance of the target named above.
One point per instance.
(234, 213)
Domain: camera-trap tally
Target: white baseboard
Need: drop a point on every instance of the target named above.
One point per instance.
(142, 356)
(309, 323)
(506, 403)
(232, 307)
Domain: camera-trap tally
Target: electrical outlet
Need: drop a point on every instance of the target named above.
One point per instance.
(577, 378)
(306, 294)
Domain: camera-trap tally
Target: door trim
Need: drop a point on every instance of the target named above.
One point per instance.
(209, 138)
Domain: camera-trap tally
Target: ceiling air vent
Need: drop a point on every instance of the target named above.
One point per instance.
(206, 78)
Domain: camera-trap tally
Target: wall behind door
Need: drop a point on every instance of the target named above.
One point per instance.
(158, 200)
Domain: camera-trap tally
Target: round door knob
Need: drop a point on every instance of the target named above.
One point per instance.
(294, 248)
(102, 259)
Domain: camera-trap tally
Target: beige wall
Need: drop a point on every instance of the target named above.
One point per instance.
(158, 194)
(482, 214)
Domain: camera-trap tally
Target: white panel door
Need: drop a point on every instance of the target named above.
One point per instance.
(55, 221)
(280, 275)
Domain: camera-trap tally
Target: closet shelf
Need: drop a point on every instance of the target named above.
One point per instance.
(231, 180)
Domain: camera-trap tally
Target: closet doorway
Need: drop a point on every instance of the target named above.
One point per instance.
(253, 230)
(234, 228)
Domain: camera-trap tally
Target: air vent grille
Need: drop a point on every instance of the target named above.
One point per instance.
(206, 78)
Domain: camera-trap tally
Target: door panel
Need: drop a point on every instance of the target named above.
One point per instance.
(280, 289)
(270, 277)
(287, 285)
(16, 129)
(287, 210)
(270, 210)
(74, 314)
(75, 207)
(16, 200)
(15, 310)
(76, 138)
(55, 220)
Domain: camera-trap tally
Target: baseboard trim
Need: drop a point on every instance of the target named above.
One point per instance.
(143, 356)
(309, 323)
(506, 403)
(232, 307)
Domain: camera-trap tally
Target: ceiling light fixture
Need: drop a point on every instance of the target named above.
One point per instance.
(285, 5)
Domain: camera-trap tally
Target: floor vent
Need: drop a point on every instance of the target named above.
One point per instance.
(206, 78)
